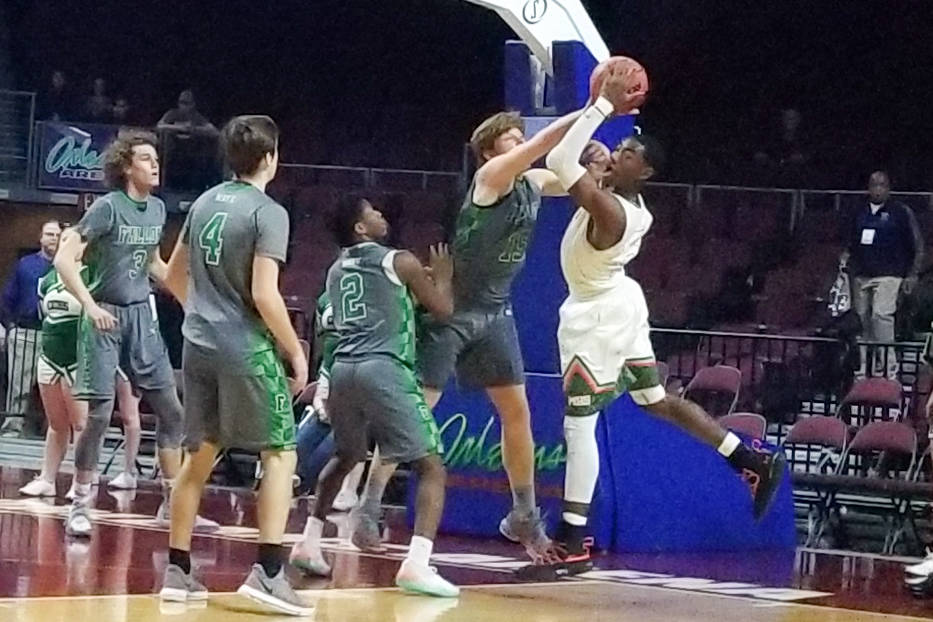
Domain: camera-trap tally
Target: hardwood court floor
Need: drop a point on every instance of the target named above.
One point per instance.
(112, 578)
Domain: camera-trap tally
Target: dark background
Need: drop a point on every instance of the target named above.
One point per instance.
(402, 83)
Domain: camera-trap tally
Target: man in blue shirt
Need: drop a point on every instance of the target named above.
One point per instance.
(885, 254)
(21, 316)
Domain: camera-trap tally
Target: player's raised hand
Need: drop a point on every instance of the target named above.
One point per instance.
(103, 320)
(623, 88)
(441, 264)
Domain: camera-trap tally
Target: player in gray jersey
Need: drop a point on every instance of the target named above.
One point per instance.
(118, 240)
(480, 342)
(374, 391)
(225, 269)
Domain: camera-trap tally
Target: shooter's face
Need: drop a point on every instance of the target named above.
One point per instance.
(629, 164)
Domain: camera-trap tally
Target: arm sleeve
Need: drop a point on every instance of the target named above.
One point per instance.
(272, 232)
(97, 221)
(564, 159)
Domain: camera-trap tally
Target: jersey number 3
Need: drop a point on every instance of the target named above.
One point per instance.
(351, 293)
(211, 239)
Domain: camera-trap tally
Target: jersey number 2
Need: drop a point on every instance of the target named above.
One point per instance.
(351, 293)
(211, 239)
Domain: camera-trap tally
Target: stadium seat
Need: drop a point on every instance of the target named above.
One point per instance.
(869, 397)
(716, 389)
(749, 424)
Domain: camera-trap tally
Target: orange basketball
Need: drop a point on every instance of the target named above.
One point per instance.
(622, 62)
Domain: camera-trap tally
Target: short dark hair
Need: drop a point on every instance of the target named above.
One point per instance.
(246, 140)
(653, 151)
(119, 155)
(343, 218)
(485, 135)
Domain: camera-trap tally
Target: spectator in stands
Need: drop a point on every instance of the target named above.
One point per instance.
(784, 157)
(884, 254)
(189, 144)
(99, 108)
(55, 104)
(186, 116)
(121, 111)
(21, 315)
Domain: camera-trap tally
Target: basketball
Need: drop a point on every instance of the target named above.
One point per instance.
(620, 62)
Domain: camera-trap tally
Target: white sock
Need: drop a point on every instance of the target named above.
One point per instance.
(313, 530)
(582, 460)
(574, 519)
(352, 481)
(82, 490)
(729, 444)
(419, 550)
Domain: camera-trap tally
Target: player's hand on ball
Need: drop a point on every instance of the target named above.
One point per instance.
(441, 264)
(621, 88)
(103, 319)
(299, 377)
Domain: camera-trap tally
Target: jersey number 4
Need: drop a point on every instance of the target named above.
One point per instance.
(211, 239)
(351, 294)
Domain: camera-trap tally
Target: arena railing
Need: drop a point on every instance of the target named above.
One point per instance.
(784, 377)
(366, 177)
(17, 114)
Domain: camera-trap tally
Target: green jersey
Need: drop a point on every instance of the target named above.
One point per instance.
(372, 309)
(61, 313)
(121, 235)
(227, 227)
(489, 247)
(326, 331)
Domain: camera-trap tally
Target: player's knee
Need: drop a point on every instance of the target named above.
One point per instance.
(431, 466)
(579, 430)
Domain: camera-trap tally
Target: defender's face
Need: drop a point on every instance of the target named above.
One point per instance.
(143, 172)
(374, 224)
(505, 142)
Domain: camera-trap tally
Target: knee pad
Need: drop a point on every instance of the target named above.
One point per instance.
(577, 429)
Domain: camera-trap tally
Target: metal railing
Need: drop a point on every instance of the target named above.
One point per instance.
(17, 113)
(784, 377)
(363, 177)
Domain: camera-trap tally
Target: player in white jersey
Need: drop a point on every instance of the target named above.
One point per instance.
(604, 339)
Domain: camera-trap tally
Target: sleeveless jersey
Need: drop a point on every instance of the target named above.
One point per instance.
(590, 272)
(372, 310)
(490, 243)
(61, 313)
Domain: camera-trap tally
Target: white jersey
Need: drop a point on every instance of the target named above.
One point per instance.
(590, 272)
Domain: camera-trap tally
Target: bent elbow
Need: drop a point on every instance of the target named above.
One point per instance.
(557, 158)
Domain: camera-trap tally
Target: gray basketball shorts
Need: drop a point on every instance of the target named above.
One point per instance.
(135, 346)
(480, 346)
(379, 398)
(249, 410)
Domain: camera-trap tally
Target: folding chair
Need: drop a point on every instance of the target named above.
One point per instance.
(716, 389)
(749, 424)
(815, 445)
(867, 397)
(887, 450)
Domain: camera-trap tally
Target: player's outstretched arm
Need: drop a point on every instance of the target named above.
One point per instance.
(497, 175)
(437, 296)
(271, 307)
(175, 278)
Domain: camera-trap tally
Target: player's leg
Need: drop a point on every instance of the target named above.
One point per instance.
(256, 414)
(51, 391)
(405, 430)
(347, 498)
(202, 436)
(98, 358)
(128, 406)
(348, 421)
(762, 470)
(494, 361)
(439, 344)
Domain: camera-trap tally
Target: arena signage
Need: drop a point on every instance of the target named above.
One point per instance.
(70, 156)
